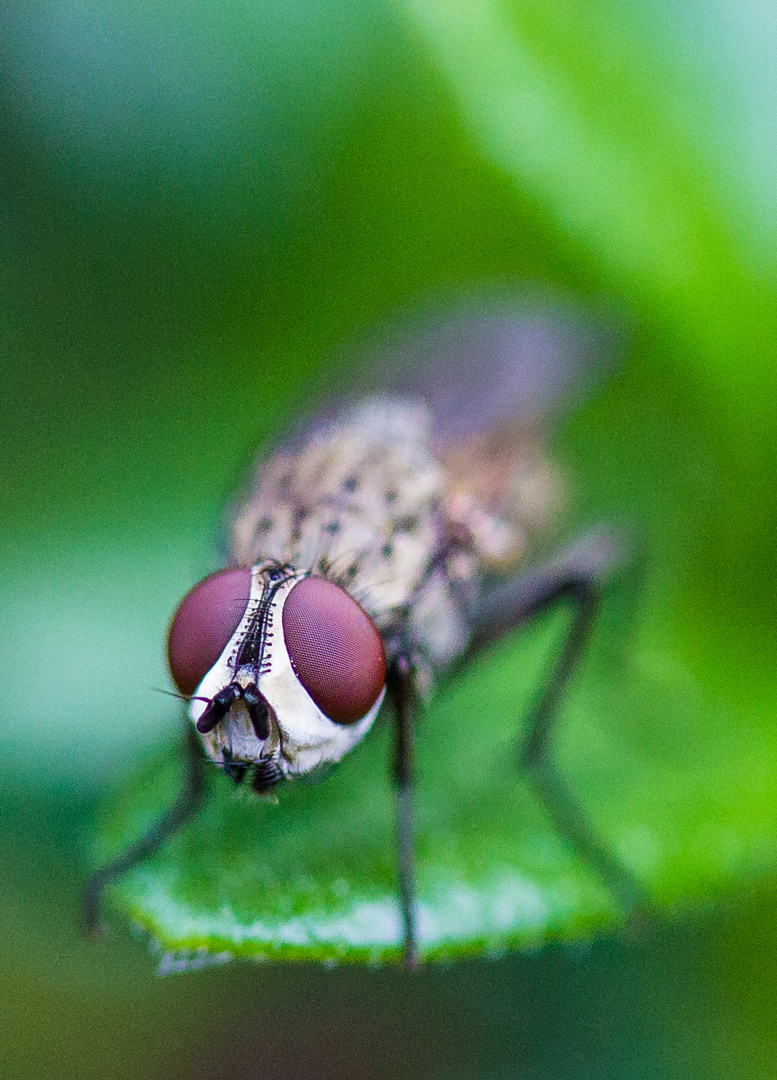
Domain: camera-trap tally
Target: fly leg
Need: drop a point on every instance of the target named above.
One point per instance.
(185, 806)
(577, 577)
(400, 686)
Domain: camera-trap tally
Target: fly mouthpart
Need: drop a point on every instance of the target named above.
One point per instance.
(267, 773)
(259, 710)
(219, 706)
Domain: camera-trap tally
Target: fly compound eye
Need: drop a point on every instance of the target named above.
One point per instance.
(335, 649)
(205, 620)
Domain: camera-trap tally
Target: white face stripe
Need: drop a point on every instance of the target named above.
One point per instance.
(223, 671)
(305, 738)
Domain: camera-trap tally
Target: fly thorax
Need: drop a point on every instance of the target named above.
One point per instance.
(358, 501)
(367, 500)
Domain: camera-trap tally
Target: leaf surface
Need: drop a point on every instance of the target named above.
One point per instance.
(672, 792)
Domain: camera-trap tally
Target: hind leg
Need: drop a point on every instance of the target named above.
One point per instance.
(576, 578)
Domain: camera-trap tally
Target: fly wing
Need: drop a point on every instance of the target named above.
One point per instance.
(492, 363)
(471, 382)
(491, 372)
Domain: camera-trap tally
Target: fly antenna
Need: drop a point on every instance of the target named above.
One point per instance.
(181, 697)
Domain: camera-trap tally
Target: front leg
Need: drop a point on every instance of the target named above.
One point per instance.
(182, 810)
(577, 577)
(400, 687)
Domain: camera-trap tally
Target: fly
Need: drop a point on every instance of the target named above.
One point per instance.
(379, 549)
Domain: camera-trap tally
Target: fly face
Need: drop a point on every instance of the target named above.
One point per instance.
(285, 669)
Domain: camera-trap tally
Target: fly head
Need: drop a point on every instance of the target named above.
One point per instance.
(285, 670)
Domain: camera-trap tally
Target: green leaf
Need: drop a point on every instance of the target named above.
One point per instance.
(671, 756)
(675, 793)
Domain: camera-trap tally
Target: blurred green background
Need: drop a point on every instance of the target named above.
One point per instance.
(198, 202)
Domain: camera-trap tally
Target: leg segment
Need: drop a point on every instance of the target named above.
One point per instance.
(401, 689)
(577, 577)
(184, 807)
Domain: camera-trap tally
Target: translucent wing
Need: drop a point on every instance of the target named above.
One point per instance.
(492, 371)
(462, 388)
(490, 363)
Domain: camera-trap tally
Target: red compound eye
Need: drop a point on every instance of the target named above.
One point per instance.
(205, 620)
(335, 649)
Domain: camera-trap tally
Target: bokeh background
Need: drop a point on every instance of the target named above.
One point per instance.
(199, 201)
